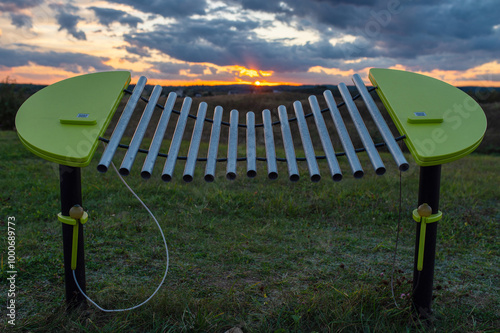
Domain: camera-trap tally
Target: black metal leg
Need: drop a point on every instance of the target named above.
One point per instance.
(71, 194)
(429, 185)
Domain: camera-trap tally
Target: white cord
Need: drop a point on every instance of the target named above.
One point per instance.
(166, 251)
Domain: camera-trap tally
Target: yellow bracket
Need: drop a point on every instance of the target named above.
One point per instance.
(423, 223)
(75, 223)
(71, 221)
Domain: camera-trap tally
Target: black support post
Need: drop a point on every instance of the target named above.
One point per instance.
(428, 192)
(71, 194)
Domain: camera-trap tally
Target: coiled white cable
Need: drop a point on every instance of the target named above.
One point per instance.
(166, 251)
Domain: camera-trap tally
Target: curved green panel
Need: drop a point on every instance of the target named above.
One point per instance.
(441, 122)
(62, 122)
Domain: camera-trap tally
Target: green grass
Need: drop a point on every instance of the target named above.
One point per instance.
(266, 256)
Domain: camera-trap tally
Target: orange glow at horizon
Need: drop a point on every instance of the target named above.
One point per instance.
(185, 83)
(45, 75)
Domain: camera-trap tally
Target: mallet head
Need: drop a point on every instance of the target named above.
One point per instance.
(76, 212)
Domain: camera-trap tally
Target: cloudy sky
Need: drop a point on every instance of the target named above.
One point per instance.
(229, 41)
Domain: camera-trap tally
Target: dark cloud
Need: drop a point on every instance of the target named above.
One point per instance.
(16, 5)
(455, 37)
(168, 8)
(140, 51)
(488, 77)
(343, 14)
(260, 5)
(68, 20)
(21, 20)
(178, 71)
(106, 16)
(401, 30)
(176, 68)
(196, 69)
(169, 68)
(222, 42)
(13, 7)
(73, 62)
(351, 34)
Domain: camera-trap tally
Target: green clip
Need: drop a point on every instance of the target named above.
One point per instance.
(75, 223)
(71, 221)
(423, 223)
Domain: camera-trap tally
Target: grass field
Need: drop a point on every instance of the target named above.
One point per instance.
(265, 256)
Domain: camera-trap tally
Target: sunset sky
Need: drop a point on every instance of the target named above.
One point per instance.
(184, 42)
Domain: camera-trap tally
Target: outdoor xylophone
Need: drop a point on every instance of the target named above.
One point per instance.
(65, 121)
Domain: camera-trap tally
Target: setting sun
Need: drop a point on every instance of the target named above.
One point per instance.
(257, 83)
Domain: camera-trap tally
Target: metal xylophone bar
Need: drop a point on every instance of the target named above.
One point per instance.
(372, 152)
(325, 140)
(251, 137)
(195, 143)
(175, 146)
(121, 125)
(293, 169)
(307, 142)
(129, 158)
(381, 124)
(272, 166)
(213, 147)
(353, 159)
(154, 148)
(232, 145)
(251, 146)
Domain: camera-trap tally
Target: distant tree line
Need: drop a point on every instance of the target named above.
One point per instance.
(11, 98)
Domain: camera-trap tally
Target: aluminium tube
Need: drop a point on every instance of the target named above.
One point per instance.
(384, 130)
(272, 166)
(291, 160)
(372, 152)
(307, 143)
(333, 164)
(195, 143)
(213, 147)
(353, 159)
(251, 146)
(135, 143)
(232, 146)
(175, 145)
(154, 147)
(120, 127)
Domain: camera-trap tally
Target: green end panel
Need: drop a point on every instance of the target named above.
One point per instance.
(441, 122)
(62, 122)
